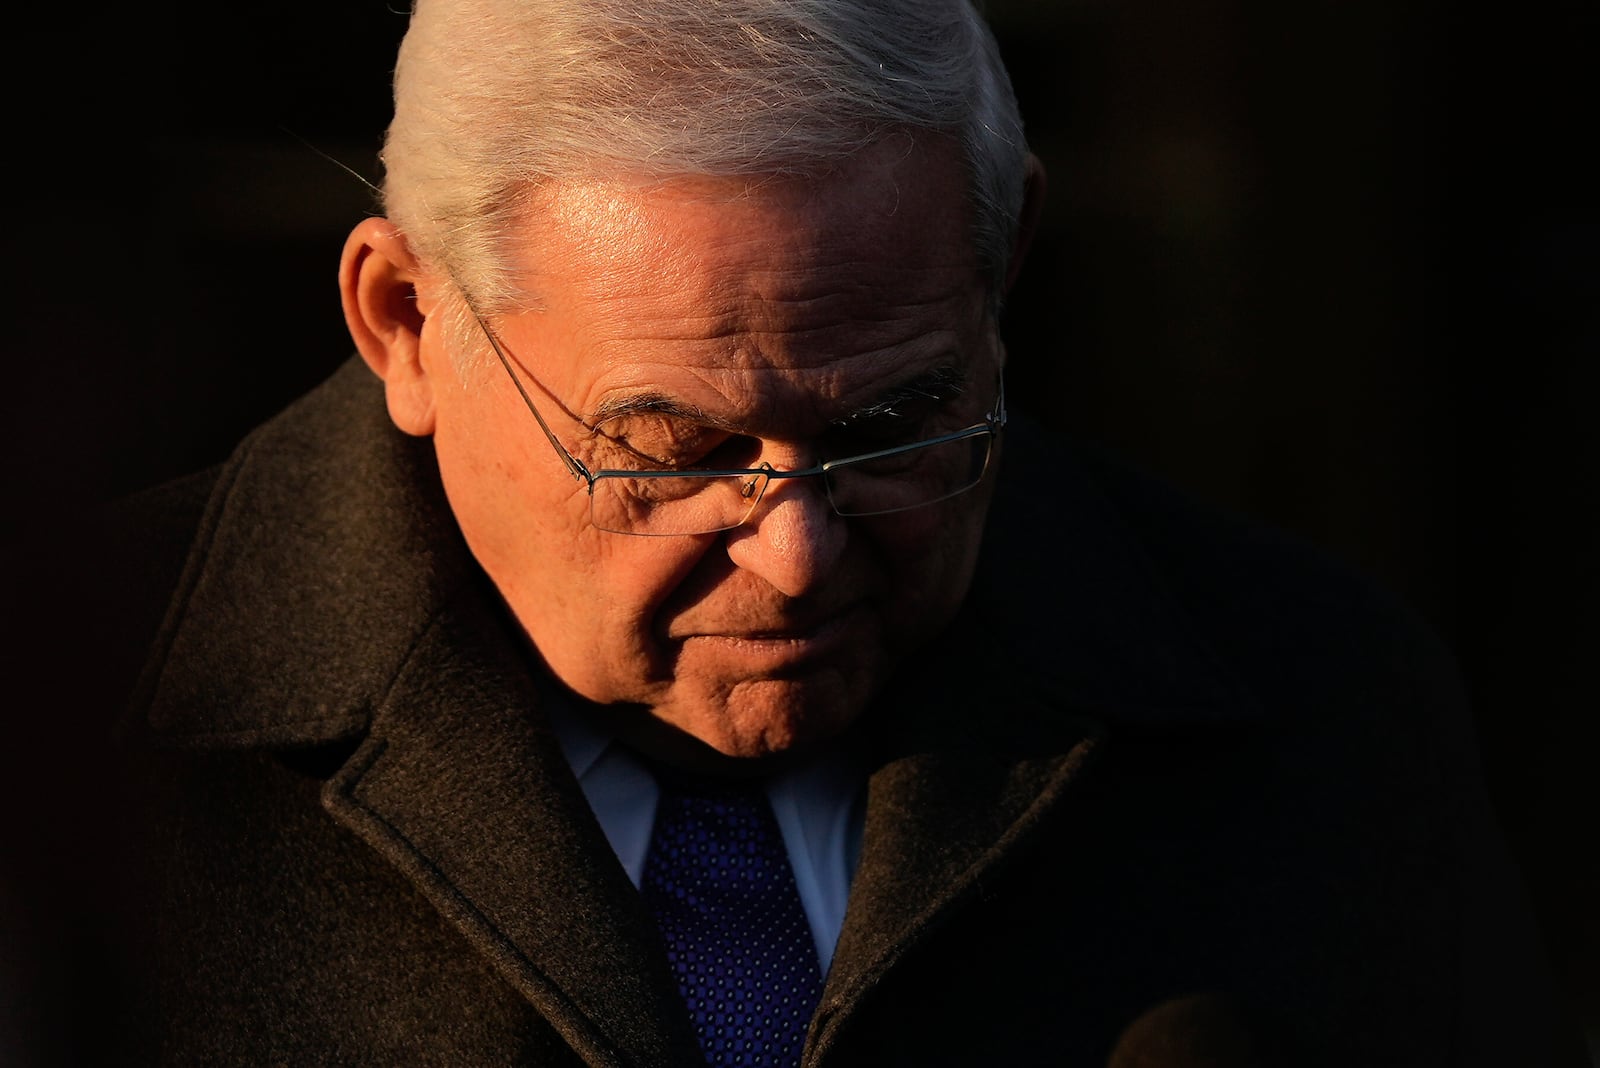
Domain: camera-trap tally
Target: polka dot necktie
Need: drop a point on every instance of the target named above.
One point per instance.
(718, 879)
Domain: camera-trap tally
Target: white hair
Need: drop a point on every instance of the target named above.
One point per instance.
(495, 96)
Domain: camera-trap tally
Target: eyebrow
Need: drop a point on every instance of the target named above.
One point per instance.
(651, 404)
(938, 384)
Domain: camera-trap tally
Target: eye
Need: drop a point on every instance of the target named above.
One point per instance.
(867, 435)
(899, 421)
(664, 442)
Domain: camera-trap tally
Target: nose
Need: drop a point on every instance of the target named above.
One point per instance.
(793, 540)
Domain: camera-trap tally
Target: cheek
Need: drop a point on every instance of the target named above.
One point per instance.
(931, 554)
(520, 512)
(506, 504)
(600, 636)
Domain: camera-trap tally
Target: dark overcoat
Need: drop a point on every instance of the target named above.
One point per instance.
(1167, 772)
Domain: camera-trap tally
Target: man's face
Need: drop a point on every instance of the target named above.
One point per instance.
(738, 324)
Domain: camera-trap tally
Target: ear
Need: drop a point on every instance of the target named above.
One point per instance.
(378, 277)
(1028, 225)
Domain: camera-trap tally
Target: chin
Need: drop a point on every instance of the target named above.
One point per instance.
(761, 718)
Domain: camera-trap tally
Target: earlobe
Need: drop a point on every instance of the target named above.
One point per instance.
(378, 277)
(1028, 224)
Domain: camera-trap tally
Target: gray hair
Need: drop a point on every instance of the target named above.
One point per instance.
(494, 96)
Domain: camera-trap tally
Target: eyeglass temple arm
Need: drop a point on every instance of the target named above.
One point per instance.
(573, 465)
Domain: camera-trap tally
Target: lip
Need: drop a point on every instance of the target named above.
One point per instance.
(790, 646)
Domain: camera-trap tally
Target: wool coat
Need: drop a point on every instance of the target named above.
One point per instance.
(1171, 786)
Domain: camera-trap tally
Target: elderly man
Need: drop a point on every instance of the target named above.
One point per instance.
(663, 646)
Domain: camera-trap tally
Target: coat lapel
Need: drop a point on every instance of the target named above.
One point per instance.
(942, 823)
(463, 790)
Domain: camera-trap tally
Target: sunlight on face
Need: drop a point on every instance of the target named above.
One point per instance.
(723, 324)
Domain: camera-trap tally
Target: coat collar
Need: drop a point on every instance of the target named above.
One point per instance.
(324, 553)
(329, 597)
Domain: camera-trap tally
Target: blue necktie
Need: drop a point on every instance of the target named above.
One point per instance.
(718, 880)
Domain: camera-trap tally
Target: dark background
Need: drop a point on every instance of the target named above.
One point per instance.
(1329, 264)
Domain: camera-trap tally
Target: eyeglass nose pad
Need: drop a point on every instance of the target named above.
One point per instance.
(751, 489)
(755, 487)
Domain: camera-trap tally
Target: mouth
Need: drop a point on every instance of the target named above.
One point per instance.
(765, 651)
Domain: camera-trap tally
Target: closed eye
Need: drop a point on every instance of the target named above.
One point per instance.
(868, 435)
(662, 442)
(920, 409)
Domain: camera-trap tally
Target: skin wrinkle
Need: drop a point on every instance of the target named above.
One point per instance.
(847, 396)
(624, 316)
(852, 400)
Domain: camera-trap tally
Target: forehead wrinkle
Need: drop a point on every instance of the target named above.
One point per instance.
(763, 333)
(667, 283)
(687, 303)
(728, 366)
(789, 264)
(848, 290)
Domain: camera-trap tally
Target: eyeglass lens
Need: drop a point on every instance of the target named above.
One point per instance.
(702, 504)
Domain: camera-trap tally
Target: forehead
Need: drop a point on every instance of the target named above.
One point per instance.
(751, 290)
